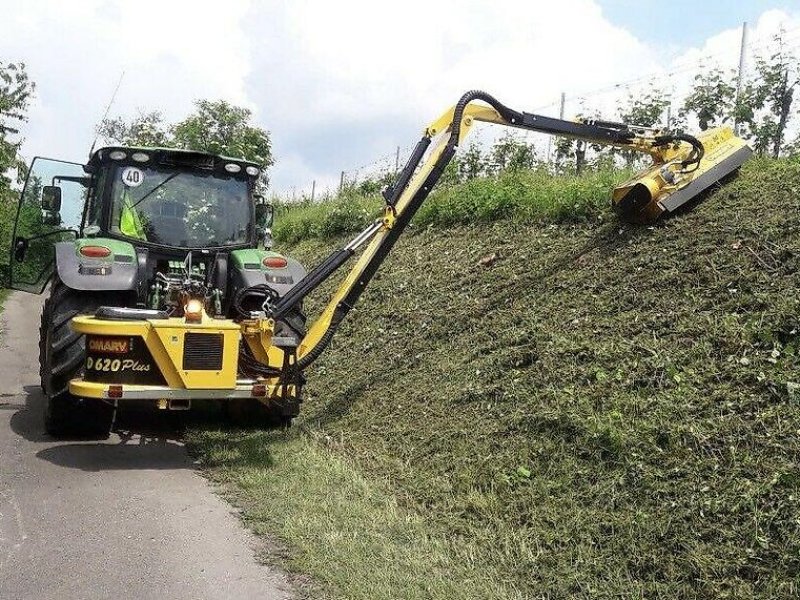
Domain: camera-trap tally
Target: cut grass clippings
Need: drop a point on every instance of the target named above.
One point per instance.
(346, 530)
(600, 411)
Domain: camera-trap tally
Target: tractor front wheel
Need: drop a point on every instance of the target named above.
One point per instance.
(61, 358)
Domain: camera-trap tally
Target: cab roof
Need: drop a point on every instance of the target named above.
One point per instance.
(172, 156)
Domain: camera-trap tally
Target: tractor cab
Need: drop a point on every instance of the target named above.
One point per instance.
(128, 220)
(165, 201)
(173, 199)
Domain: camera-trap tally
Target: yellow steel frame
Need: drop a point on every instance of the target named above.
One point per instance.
(164, 339)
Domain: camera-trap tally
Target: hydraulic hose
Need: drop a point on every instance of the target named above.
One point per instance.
(317, 350)
(251, 367)
(512, 116)
(697, 152)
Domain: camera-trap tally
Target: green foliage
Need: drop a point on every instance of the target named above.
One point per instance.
(16, 91)
(472, 164)
(146, 129)
(527, 196)
(765, 106)
(373, 185)
(564, 156)
(7, 214)
(222, 128)
(217, 127)
(712, 100)
(511, 153)
(348, 212)
(645, 109)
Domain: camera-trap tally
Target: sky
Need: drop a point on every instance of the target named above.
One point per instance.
(341, 85)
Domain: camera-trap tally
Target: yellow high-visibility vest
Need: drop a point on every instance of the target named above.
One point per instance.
(130, 223)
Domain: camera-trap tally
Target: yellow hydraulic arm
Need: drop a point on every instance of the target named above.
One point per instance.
(683, 167)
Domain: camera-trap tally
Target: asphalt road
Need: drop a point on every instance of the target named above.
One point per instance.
(121, 518)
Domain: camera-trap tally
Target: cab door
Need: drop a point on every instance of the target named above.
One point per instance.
(50, 210)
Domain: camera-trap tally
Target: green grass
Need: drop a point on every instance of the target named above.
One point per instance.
(525, 196)
(606, 411)
(349, 531)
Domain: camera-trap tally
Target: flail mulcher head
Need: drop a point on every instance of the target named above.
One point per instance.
(684, 168)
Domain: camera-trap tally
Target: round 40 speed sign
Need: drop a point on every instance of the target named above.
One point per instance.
(132, 177)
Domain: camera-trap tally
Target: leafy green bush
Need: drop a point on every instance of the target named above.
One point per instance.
(525, 195)
(343, 214)
(7, 214)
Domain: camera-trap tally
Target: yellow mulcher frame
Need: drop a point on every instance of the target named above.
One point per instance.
(683, 167)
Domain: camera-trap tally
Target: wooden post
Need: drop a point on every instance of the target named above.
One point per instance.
(313, 189)
(341, 183)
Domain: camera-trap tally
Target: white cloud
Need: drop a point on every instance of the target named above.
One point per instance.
(171, 52)
(338, 84)
(323, 70)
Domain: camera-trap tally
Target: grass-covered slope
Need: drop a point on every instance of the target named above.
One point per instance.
(600, 411)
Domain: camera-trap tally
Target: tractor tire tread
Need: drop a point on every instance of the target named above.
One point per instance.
(61, 358)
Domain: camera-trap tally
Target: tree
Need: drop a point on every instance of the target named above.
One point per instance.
(765, 104)
(509, 153)
(473, 163)
(712, 100)
(217, 127)
(564, 154)
(375, 184)
(568, 150)
(222, 128)
(646, 110)
(146, 129)
(452, 173)
(16, 91)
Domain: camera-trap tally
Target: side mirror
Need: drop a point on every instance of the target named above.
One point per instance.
(51, 198)
(20, 247)
(265, 213)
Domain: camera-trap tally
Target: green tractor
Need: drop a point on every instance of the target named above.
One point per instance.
(136, 228)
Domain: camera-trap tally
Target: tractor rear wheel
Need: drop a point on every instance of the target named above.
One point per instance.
(61, 358)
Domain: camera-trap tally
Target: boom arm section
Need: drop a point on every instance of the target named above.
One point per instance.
(678, 164)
